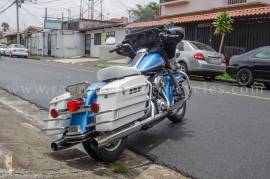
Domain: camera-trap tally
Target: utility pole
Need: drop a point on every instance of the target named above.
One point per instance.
(92, 8)
(101, 9)
(18, 4)
(81, 10)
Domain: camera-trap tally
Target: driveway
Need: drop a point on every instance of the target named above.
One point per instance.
(225, 133)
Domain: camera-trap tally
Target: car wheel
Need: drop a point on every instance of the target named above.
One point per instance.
(209, 78)
(244, 77)
(183, 67)
(108, 154)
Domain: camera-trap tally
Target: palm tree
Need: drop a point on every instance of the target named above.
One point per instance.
(223, 25)
(146, 12)
(5, 26)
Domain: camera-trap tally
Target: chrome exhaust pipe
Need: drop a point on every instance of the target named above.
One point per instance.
(137, 126)
(61, 145)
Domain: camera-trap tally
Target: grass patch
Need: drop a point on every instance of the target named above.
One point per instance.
(224, 77)
(33, 57)
(120, 169)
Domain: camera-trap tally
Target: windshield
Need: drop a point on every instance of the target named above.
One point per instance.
(18, 46)
(3, 46)
(201, 46)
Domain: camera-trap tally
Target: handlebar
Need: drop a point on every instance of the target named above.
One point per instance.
(113, 50)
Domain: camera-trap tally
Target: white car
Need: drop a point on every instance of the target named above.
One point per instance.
(3, 48)
(17, 50)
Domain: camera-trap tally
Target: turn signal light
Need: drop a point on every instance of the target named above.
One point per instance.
(94, 107)
(75, 105)
(54, 113)
(199, 56)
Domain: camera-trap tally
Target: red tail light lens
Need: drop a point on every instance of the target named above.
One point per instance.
(199, 56)
(75, 105)
(94, 107)
(54, 113)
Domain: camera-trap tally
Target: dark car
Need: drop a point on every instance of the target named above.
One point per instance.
(251, 66)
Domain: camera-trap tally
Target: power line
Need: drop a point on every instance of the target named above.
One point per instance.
(32, 15)
(3, 10)
(6, 4)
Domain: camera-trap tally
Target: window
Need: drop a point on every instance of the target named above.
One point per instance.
(110, 34)
(230, 2)
(201, 46)
(97, 39)
(263, 54)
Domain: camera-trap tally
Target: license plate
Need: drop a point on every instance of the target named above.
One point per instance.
(215, 60)
(77, 90)
(74, 129)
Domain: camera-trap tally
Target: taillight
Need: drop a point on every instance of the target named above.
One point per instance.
(199, 56)
(54, 113)
(94, 107)
(75, 105)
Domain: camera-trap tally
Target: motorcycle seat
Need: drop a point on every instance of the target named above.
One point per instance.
(116, 72)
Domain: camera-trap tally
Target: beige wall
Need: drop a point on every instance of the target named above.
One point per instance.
(188, 6)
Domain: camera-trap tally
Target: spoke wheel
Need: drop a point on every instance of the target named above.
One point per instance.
(183, 67)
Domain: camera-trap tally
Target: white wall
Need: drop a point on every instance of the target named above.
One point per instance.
(196, 5)
(120, 33)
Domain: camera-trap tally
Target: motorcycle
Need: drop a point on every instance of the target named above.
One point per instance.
(125, 100)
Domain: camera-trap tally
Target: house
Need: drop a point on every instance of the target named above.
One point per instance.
(251, 21)
(9, 37)
(57, 43)
(95, 39)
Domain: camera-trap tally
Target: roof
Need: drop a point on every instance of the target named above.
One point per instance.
(251, 11)
(106, 26)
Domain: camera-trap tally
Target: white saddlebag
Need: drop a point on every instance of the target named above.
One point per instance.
(59, 103)
(121, 102)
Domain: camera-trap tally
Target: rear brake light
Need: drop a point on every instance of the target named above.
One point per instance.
(199, 56)
(94, 107)
(74, 105)
(54, 113)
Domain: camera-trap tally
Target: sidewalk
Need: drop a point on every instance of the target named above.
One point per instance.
(32, 157)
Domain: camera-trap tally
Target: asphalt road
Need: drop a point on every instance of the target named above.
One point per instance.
(225, 133)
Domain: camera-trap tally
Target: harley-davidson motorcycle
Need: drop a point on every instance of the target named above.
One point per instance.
(126, 99)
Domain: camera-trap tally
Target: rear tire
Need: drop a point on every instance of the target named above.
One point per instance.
(107, 154)
(244, 77)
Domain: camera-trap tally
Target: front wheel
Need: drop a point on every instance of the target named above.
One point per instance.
(108, 154)
(179, 115)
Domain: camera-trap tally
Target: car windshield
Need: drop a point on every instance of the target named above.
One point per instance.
(3, 46)
(201, 46)
(18, 46)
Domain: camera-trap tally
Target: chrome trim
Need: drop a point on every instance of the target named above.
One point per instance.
(55, 129)
(48, 120)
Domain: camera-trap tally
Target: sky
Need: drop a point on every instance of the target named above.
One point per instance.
(33, 11)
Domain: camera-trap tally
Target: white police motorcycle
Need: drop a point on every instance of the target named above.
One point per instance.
(101, 115)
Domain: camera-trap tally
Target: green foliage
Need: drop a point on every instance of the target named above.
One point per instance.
(144, 13)
(224, 77)
(223, 24)
(5, 26)
(120, 169)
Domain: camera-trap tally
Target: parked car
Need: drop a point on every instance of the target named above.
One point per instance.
(196, 58)
(17, 50)
(2, 49)
(251, 66)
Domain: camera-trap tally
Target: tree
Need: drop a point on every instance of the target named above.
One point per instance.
(223, 25)
(5, 26)
(146, 12)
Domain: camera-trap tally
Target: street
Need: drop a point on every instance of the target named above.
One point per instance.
(225, 133)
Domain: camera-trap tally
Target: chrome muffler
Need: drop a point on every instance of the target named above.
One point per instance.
(61, 145)
(137, 126)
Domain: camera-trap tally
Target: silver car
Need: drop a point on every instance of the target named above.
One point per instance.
(2, 49)
(17, 50)
(196, 58)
